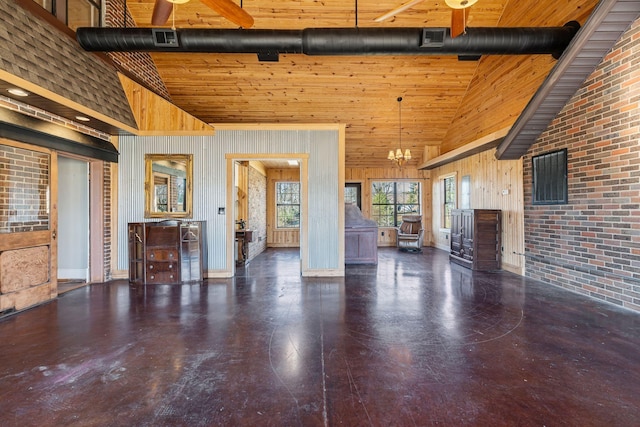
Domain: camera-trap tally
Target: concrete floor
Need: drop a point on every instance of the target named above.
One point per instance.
(413, 341)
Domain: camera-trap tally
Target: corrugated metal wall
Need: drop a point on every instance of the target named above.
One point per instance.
(210, 186)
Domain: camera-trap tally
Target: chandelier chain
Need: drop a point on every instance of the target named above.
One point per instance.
(399, 156)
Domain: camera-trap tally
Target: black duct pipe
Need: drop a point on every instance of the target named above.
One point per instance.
(333, 41)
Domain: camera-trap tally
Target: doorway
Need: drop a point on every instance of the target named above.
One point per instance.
(73, 223)
(253, 184)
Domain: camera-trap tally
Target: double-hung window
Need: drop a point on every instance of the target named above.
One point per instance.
(391, 200)
(448, 199)
(287, 204)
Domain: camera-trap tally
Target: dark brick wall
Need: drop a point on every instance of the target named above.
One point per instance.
(592, 244)
(106, 238)
(140, 64)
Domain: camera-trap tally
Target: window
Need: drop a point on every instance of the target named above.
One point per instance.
(74, 13)
(449, 199)
(24, 205)
(550, 178)
(392, 200)
(352, 191)
(287, 204)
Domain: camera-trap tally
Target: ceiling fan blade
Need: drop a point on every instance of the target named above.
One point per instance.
(161, 12)
(397, 10)
(231, 11)
(458, 21)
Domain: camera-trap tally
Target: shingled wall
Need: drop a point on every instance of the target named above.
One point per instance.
(37, 52)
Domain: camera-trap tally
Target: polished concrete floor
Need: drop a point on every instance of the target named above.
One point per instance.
(413, 341)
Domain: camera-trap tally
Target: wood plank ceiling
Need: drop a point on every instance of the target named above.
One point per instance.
(447, 103)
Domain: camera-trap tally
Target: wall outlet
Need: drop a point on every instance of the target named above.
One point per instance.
(505, 192)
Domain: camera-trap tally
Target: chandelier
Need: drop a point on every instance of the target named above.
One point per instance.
(399, 157)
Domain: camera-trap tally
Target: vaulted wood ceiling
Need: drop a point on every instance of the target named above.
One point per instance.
(446, 102)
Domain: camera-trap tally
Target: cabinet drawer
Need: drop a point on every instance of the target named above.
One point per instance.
(162, 255)
(159, 267)
(162, 277)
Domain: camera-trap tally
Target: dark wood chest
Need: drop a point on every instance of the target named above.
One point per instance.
(476, 238)
(166, 252)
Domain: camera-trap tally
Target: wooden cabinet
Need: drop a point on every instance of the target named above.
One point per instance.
(476, 238)
(361, 245)
(360, 237)
(166, 252)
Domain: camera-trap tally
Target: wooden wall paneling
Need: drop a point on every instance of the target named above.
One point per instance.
(502, 86)
(495, 184)
(157, 116)
(387, 236)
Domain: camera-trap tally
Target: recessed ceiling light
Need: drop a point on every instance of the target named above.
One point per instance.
(292, 162)
(17, 91)
(83, 118)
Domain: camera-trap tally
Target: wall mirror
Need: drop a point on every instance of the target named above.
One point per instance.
(168, 185)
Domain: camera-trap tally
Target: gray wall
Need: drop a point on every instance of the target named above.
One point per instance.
(73, 218)
(210, 186)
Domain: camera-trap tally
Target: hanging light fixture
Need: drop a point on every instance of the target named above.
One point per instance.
(399, 157)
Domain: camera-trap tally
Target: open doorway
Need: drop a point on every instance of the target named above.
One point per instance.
(73, 223)
(268, 208)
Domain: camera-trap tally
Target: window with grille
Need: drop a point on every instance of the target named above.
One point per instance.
(550, 186)
(287, 204)
(391, 200)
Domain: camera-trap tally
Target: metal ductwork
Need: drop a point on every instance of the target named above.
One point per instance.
(333, 41)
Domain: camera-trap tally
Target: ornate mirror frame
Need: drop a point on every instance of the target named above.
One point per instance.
(172, 198)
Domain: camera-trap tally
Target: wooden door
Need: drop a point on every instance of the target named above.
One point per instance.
(28, 226)
(467, 232)
(456, 236)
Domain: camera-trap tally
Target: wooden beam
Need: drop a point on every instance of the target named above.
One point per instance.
(486, 142)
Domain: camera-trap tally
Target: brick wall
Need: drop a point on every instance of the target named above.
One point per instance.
(140, 64)
(592, 244)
